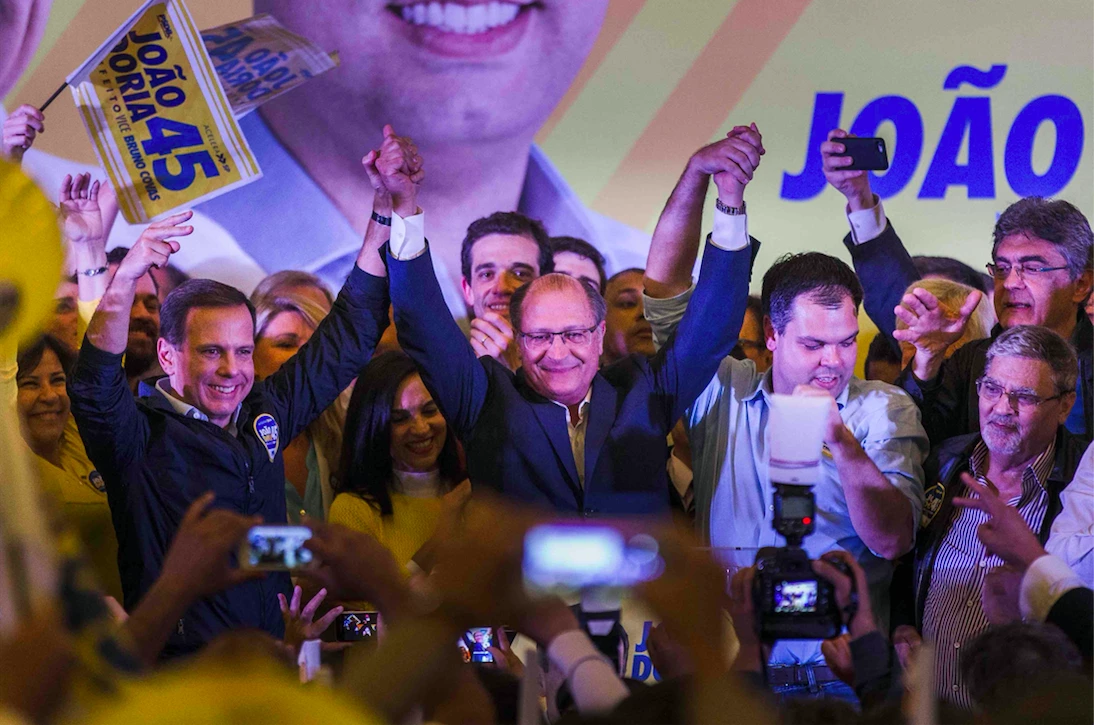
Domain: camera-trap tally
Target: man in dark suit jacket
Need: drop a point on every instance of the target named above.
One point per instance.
(1041, 260)
(560, 432)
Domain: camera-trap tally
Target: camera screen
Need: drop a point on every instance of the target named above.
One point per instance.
(358, 626)
(796, 507)
(794, 597)
(278, 547)
(475, 645)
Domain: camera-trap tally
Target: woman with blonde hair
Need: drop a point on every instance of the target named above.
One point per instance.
(951, 295)
(289, 306)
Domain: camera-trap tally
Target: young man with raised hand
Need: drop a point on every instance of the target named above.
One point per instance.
(870, 490)
(207, 426)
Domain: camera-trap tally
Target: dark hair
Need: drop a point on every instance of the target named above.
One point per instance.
(1004, 661)
(620, 273)
(116, 255)
(29, 357)
(756, 306)
(507, 222)
(883, 349)
(556, 280)
(365, 468)
(1034, 342)
(952, 269)
(582, 249)
(1054, 220)
(193, 294)
(825, 279)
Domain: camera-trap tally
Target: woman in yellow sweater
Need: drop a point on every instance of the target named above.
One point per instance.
(64, 468)
(399, 460)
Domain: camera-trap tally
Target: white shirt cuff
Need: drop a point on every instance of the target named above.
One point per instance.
(1046, 580)
(597, 688)
(867, 224)
(407, 236)
(730, 232)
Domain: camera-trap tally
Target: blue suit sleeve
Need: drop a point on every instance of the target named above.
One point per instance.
(114, 431)
(433, 340)
(709, 328)
(342, 344)
(885, 269)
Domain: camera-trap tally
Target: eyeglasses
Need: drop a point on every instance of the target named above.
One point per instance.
(572, 338)
(1002, 271)
(991, 391)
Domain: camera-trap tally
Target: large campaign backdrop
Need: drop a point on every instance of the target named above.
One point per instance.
(980, 103)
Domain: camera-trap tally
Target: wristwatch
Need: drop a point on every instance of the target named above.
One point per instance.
(730, 210)
(385, 220)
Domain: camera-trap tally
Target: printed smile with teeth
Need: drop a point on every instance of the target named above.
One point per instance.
(463, 19)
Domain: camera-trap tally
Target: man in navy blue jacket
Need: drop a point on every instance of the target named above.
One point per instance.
(560, 432)
(206, 426)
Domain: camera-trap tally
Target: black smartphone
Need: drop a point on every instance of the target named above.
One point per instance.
(475, 645)
(867, 154)
(358, 627)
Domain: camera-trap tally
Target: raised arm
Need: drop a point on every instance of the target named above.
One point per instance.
(113, 430)
(880, 259)
(344, 341)
(712, 323)
(732, 162)
(427, 332)
(87, 209)
(676, 237)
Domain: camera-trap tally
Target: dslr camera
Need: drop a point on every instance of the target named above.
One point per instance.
(790, 600)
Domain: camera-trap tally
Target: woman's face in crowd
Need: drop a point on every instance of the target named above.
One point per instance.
(284, 335)
(418, 430)
(43, 402)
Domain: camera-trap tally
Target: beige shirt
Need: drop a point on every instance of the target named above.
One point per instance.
(576, 432)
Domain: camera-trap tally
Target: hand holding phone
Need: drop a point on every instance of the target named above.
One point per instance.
(867, 154)
(574, 556)
(475, 645)
(358, 626)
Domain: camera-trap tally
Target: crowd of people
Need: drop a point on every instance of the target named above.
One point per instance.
(954, 497)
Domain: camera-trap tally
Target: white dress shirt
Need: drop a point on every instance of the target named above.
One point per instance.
(1072, 536)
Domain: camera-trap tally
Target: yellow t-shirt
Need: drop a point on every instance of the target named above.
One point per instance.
(412, 523)
(80, 490)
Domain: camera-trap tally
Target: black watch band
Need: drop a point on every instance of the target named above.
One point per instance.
(730, 210)
(385, 220)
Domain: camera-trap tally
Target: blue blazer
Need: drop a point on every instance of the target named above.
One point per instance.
(517, 441)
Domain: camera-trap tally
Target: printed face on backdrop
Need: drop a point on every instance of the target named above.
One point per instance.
(22, 23)
(561, 370)
(213, 367)
(418, 430)
(43, 404)
(455, 71)
(500, 264)
(626, 328)
(1025, 429)
(1037, 298)
(819, 346)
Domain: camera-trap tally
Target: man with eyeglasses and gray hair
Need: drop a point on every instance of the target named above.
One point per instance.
(561, 432)
(1024, 454)
(1041, 259)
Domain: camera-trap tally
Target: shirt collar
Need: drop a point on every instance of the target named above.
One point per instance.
(188, 411)
(581, 407)
(1036, 473)
(764, 390)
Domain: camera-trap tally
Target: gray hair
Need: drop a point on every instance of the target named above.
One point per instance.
(1034, 342)
(557, 281)
(1054, 220)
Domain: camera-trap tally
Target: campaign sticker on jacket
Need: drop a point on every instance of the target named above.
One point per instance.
(267, 431)
(932, 502)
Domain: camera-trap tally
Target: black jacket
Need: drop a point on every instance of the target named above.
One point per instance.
(942, 478)
(155, 462)
(949, 403)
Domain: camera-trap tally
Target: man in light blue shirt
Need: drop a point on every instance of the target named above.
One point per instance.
(870, 491)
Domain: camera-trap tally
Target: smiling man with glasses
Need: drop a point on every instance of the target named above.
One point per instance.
(1025, 453)
(561, 432)
(1042, 251)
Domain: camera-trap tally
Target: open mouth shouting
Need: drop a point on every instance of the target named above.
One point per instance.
(465, 28)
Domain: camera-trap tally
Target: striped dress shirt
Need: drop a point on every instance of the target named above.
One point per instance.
(953, 614)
